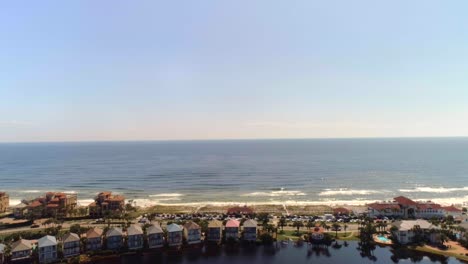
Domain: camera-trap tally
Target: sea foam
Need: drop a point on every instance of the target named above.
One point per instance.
(345, 191)
(434, 190)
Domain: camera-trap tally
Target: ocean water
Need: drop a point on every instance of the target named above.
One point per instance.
(309, 171)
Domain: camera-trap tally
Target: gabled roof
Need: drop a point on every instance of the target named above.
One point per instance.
(174, 228)
(71, 237)
(384, 206)
(407, 225)
(452, 209)
(191, 225)
(20, 206)
(250, 223)
(94, 233)
(21, 245)
(114, 231)
(215, 224)
(232, 223)
(134, 230)
(154, 229)
(405, 201)
(47, 241)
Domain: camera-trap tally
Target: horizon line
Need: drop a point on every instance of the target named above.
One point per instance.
(225, 139)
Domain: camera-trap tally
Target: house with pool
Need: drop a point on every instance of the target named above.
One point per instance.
(407, 230)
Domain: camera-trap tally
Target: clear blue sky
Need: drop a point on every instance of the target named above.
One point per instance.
(139, 70)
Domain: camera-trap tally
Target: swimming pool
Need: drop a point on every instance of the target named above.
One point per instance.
(383, 239)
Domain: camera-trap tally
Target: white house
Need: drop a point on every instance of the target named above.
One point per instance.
(174, 235)
(47, 249)
(406, 230)
(71, 245)
(250, 230)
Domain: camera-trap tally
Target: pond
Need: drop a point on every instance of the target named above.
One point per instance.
(341, 252)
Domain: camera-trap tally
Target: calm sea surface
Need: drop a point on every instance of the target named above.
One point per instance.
(253, 171)
(340, 253)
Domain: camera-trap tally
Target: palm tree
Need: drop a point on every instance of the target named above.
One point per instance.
(336, 226)
(282, 222)
(298, 225)
(345, 226)
(310, 224)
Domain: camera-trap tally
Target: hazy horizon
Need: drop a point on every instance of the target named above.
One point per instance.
(154, 70)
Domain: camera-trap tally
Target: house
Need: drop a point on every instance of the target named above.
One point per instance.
(19, 210)
(59, 204)
(35, 209)
(47, 249)
(214, 231)
(134, 237)
(250, 230)
(317, 234)
(452, 211)
(240, 210)
(192, 233)
(4, 202)
(2, 253)
(341, 211)
(106, 202)
(155, 236)
(94, 239)
(21, 250)
(403, 207)
(231, 231)
(174, 235)
(71, 245)
(407, 230)
(114, 238)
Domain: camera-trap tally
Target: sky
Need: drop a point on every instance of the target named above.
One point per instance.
(161, 70)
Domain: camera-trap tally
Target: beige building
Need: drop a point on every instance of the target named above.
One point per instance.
(4, 202)
(106, 202)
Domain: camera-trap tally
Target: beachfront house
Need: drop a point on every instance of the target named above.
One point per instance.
(174, 235)
(19, 210)
(134, 237)
(408, 231)
(71, 245)
(94, 239)
(155, 236)
(47, 249)
(250, 230)
(231, 231)
(403, 207)
(453, 211)
(2, 253)
(192, 233)
(21, 250)
(214, 231)
(114, 238)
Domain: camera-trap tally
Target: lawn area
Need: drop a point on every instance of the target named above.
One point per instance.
(448, 253)
(290, 234)
(345, 236)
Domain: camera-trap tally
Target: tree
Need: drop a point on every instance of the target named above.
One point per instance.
(282, 222)
(75, 228)
(310, 224)
(345, 226)
(298, 225)
(336, 226)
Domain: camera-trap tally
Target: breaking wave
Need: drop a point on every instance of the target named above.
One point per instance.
(345, 191)
(434, 190)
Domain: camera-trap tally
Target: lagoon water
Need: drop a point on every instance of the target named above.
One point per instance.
(351, 171)
(340, 253)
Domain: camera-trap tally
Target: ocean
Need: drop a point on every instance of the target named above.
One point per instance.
(293, 171)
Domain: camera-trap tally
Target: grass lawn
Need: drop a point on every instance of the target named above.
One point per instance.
(441, 252)
(290, 234)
